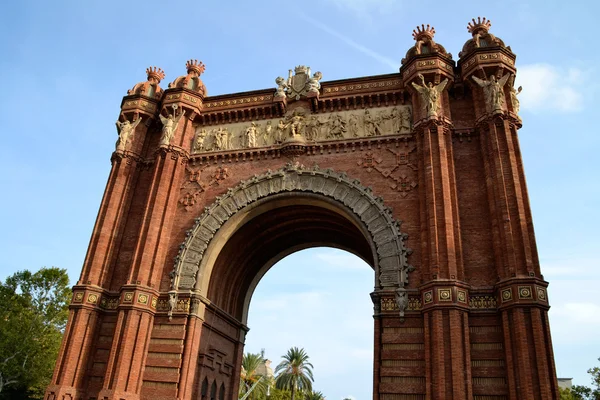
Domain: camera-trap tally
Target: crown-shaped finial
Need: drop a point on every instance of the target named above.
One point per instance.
(155, 73)
(482, 24)
(423, 32)
(301, 69)
(195, 66)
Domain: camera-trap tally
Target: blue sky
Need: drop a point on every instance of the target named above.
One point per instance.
(66, 65)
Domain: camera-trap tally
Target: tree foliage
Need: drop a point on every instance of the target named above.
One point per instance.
(294, 372)
(314, 395)
(34, 314)
(251, 376)
(580, 392)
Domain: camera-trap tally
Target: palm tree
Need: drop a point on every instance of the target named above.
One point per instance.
(294, 372)
(312, 395)
(250, 376)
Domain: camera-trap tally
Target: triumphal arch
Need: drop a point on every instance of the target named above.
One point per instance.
(419, 173)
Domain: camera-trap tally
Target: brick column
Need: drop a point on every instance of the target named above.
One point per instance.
(521, 288)
(123, 377)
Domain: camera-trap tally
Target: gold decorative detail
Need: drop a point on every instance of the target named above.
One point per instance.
(183, 305)
(525, 292)
(92, 298)
(142, 298)
(162, 305)
(541, 294)
(128, 298)
(78, 297)
(236, 101)
(428, 297)
(461, 296)
(350, 88)
(414, 303)
(483, 302)
(388, 304)
(506, 295)
(444, 295)
(153, 303)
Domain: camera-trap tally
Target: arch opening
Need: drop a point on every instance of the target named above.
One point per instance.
(318, 299)
(321, 207)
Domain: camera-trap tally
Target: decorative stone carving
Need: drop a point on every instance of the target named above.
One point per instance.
(169, 126)
(172, 303)
(314, 128)
(126, 130)
(391, 264)
(198, 145)
(267, 134)
(251, 133)
(150, 88)
(429, 96)
(481, 37)
(221, 141)
(192, 80)
(424, 44)
(401, 300)
(299, 84)
(493, 92)
(513, 95)
(337, 127)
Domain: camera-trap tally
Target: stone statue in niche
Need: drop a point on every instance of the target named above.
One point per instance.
(250, 135)
(198, 145)
(429, 96)
(125, 129)
(313, 128)
(169, 126)
(353, 128)
(493, 92)
(336, 126)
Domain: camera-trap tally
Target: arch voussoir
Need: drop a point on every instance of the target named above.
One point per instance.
(391, 261)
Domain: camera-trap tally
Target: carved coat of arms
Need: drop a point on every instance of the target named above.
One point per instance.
(298, 84)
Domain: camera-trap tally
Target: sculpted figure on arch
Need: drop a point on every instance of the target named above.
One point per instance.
(199, 141)
(125, 132)
(493, 92)
(429, 96)
(169, 126)
(251, 134)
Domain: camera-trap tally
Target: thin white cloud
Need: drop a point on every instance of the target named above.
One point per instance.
(357, 46)
(547, 88)
(365, 8)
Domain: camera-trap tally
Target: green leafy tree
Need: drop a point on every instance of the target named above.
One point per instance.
(294, 372)
(313, 395)
(580, 392)
(33, 317)
(251, 376)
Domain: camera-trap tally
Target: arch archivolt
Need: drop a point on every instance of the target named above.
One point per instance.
(391, 264)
